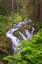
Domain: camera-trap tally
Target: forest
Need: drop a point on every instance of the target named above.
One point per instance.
(20, 31)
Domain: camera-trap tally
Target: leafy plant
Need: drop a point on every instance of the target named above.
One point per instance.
(7, 21)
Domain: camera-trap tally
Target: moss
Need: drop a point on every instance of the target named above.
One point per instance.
(22, 30)
(4, 43)
(16, 33)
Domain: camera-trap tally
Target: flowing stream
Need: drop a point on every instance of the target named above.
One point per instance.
(14, 39)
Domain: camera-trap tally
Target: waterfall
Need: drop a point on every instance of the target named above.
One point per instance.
(28, 34)
(23, 36)
(32, 30)
(14, 39)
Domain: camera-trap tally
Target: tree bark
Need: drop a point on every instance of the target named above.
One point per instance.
(13, 6)
(41, 10)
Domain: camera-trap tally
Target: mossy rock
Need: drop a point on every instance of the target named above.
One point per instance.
(16, 33)
(22, 30)
(5, 43)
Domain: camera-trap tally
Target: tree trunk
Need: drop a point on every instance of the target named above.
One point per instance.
(13, 6)
(41, 10)
(38, 10)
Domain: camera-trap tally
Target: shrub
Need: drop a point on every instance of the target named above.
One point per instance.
(17, 18)
(6, 22)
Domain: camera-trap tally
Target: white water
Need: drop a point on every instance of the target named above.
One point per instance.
(32, 31)
(23, 36)
(28, 34)
(14, 39)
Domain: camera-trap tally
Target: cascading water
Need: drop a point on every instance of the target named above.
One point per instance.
(23, 36)
(14, 39)
(28, 34)
(32, 31)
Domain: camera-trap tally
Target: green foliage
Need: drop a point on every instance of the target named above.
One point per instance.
(3, 24)
(6, 22)
(31, 52)
(1, 56)
(28, 9)
(38, 26)
(17, 18)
